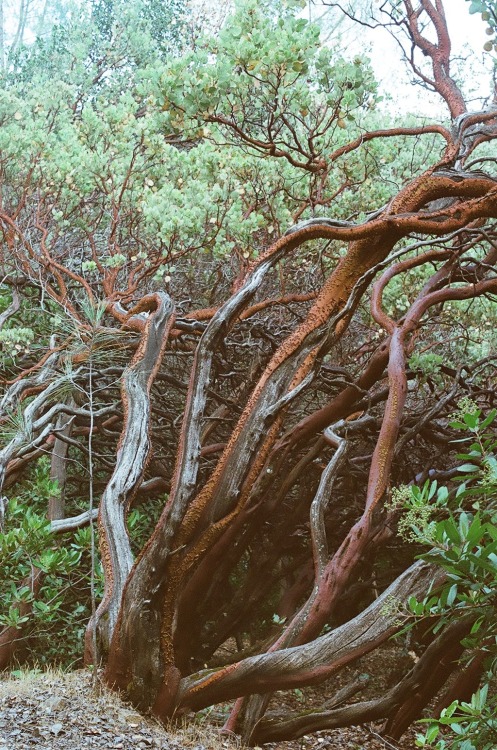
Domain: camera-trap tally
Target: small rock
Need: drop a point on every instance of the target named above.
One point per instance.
(130, 717)
(56, 729)
(52, 704)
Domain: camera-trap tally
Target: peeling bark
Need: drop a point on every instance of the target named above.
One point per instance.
(253, 470)
(277, 728)
(132, 456)
(313, 662)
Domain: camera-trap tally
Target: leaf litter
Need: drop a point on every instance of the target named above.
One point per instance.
(57, 711)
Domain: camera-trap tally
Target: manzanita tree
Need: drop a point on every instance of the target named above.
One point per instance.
(245, 303)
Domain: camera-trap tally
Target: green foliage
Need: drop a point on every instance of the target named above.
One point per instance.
(488, 11)
(256, 76)
(472, 725)
(468, 341)
(17, 338)
(163, 21)
(63, 603)
(23, 21)
(171, 201)
(459, 528)
(427, 364)
(134, 166)
(141, 522)
(147, 165)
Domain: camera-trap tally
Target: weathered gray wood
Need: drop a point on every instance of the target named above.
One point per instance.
(313, 662)
(131, 459)
(275, 727)
(74, 522)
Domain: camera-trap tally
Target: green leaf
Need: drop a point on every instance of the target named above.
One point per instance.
(442, 495)
(488, 419)
(476, 625)
(471, 420)
(467, 468)
(448, 712)
(432, 489)
(451, 530)
(464, 522)
(456, 425)
(475, 531)
(476, 6)
(417, 608)
(432, 733)
(451, 597)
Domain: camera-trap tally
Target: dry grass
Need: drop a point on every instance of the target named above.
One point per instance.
(193, 734)
(73, 694)
(22, 681)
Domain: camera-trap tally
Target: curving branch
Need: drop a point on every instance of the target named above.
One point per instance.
(169, 557)
(24, 385)
(132, 456)
(60, 525)
(277, 464)
(320, 553)
(439, 52)
(442, 652)
(33, 429)
(316, 661)
(12, 308)
(335, 573)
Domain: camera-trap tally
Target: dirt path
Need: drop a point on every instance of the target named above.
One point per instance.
(62, 712)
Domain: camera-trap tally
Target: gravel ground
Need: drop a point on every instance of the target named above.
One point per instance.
(61, 712)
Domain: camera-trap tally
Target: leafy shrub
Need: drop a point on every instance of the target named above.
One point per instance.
(54, 629)
(458, 526)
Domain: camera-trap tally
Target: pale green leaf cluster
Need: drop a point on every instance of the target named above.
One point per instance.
(128, 161)
(488, 12)
(462, 538)
(269, 75)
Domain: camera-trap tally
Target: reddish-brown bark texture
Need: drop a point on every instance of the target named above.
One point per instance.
(277, 421)
(211, 516)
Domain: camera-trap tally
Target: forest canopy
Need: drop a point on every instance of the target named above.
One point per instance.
(248, 344)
